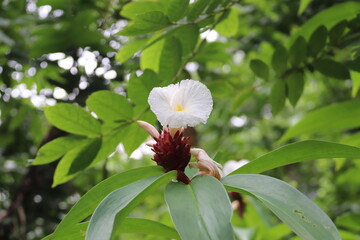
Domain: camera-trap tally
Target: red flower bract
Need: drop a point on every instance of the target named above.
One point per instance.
(173, 153)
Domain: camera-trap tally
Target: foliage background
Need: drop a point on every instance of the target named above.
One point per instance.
(63, 51)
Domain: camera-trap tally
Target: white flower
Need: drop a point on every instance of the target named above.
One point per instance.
(184, 104)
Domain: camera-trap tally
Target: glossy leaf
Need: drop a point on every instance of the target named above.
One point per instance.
(329, 18)
(196, 9)
(87, 203)
(279, 60)
(330, 68)
(109, 106)
(170, 59)
(119, 203)
(73, 119)
(303, 216)
(260, 69)
(130, 49)
(56, 148)
(295, 86)
(298, 52)
(140, 87)
(76, 160)
(317, 41)
(278, 96)
(299, 152)
(177, 9)
(197, 212)
(146, 22)
(144, 226)
(343, 116)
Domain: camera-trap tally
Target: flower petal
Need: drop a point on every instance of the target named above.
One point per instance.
(187, 103)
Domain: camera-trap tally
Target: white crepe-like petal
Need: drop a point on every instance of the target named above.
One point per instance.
(192, 97)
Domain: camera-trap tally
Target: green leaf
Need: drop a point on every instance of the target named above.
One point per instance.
(337, 32)
(330, 68)
(188, 36)
(229, 26)
(87, 203)
(295, 86)
(303, 5)
(177, 9)
(279, 60)
(170, 59)
(213, 5)
(56, 148)
(132, 9)
(298, 152)
(260, 69)
(146, 23)
(349, 221)
(199, 213)
(73, 119)
(120, 202)
(73, 232)
(329, 18)
(303, 216)
(343, 116)
(317, 40)
(135, 135)
(297, 53)
(139, 87)
(130, 49)
(76, 160)
(144, 226)
(150, 57)
(355, 78)
(109, 106)
(196, 9)
(278, 96)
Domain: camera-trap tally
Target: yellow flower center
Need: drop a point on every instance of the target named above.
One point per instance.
(179, 108)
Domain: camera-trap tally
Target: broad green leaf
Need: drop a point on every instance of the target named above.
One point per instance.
(170, 59)
(355, 78)
(87, 203)
(295, 86)
(73, 119)
(132, 9)
(260, 69)
(278, 96)
(130, 49)
(150, 57)
(119, 204)
(144, 226)
(146, 23)
(279, 60)
(139, 87)
(298, 152)
(196, 9)
(337, 32)
(109, 106)
(343, 116)
(229, 26)
(127, 225)
(329, 18)
(109, 142)
(330, 68)
(56, 148)
(354, 64)
(297, 52)
(317, 41)
(135, 135)
(303, 216)
(76, 160)
(200, 210)
(74, 232)
(213, 5)
(303, 5)
(176, 9)
(188, 36)
(349, 221)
